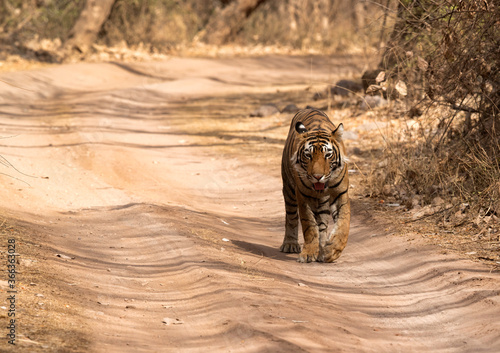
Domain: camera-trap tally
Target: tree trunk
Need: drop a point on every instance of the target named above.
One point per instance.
(88, 25)
(225, 25)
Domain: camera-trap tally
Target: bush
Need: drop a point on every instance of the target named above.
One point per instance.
(23, 20)
(448, 54)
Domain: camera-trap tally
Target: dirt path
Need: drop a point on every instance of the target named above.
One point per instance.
(167, 201)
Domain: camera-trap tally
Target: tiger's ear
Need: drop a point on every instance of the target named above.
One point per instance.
(338, 132)
(300, 128)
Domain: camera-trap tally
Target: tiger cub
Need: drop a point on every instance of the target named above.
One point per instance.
(315, 187)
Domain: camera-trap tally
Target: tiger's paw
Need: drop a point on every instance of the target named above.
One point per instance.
(309, 254)
(329, 257)
(290, 248)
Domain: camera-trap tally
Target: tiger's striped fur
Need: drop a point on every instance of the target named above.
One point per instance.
(315, 187)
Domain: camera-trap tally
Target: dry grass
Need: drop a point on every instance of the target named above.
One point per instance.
(454, 189)
(25, 20)
(321, 25)
(445, 160)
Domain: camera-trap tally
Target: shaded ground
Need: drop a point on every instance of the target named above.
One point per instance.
(162, 198)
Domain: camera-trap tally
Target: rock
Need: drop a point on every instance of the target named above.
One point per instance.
(27, 262)
(421, 212)
(169, 321)
(65, 257)
(459, 215)
(370, 102)
(290, 108)
(437, 201)
(387, 190)
(265, 110)
(415, 201)
(345, 87)
(370, 78)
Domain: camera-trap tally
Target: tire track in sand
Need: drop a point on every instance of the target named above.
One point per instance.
(143, 206)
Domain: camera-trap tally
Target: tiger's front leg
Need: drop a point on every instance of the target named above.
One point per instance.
(311, 233)
(291, 240)
(334, 244)
(322, 215)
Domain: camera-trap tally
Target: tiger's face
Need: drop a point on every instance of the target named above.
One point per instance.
(319, 157)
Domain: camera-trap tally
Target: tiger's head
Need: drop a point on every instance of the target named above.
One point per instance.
(319, 156)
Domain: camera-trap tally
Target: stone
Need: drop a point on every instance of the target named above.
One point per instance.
(345, 87)
(170, 321)
(437, 201)
(370, 102)
(369, 78)
(290, 108)
(265, 110)
(387, 190)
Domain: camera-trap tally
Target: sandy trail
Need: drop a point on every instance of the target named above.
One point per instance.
(144, 204)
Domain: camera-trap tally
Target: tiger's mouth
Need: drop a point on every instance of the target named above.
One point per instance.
(319, 186)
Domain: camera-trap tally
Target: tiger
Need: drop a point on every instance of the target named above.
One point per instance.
(315, 187)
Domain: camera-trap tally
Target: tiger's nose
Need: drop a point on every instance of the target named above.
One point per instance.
(318, 176)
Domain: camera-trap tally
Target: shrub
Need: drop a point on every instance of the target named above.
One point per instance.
(448, 54)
